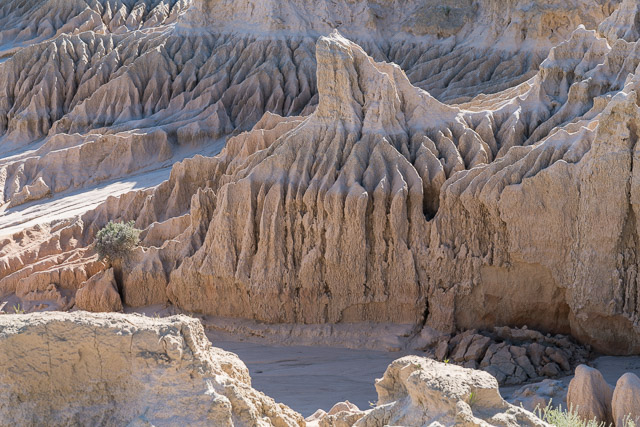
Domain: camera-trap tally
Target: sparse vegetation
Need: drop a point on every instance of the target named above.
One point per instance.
(473, 398)
(565, 418)
(116, 240)
(17, 309)
(569, 418)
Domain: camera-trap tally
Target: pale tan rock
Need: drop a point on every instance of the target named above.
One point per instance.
(625, 404)
(383, 203)
(418, 391)
(589, 395)
(60, 369)
(99, 294)
(116, 86)
(342, 407)
(342, 414)
(623, 23)
(537, 396)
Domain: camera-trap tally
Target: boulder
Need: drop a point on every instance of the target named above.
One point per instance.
(625, 404)
(550, 369)
(99, 294)
(538, 395)
(477, 348)
(342, 414)
(416, 391)
(589, 395)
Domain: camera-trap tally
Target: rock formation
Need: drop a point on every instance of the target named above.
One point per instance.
(589, 395)
(356, 196)
(121, 87)
(591, 398)
(416, 391)
(513, 356)
(88, 369)
(538, 396)
(625, 403)
(99, 293)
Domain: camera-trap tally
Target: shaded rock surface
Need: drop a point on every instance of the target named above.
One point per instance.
(99, 293)
(590, 396)
(512, 355)
(625, 403)
(80, 368)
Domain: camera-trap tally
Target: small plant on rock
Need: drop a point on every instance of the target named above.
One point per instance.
(564, 418)
(473, 398)
(116, 240)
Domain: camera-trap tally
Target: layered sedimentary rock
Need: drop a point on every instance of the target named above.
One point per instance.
(387, 205)
(366, 198)
(122, 87)
(31, 21)
(81, 368)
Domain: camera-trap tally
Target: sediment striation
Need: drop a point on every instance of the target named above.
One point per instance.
(486, 179)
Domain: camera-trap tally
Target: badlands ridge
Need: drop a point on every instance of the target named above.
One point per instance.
(462, 168)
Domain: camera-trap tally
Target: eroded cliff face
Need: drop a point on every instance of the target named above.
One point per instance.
(366, 198)
(387, 205)
(123, 87)
(113, 369)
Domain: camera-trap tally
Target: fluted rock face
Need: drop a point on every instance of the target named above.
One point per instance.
(124, 87)
(111, 369)
(388, 205)
(365, 198)
(31, 21)
(623, 23)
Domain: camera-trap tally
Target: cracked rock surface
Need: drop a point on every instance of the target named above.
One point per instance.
(63, 369)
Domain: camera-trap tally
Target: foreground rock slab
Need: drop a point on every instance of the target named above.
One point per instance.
(417, 391)
(61, 369)
(590, 395)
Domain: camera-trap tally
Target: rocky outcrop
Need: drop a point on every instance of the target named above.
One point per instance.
(513, 356)
(538, 396)
(625, 403)
(383, 204)
(81, 368)
(99, 294)
(376, 188)
(124, 87)
(27, 22)
(623, 23)
(342, 414)
(589, 395)
(417, 391)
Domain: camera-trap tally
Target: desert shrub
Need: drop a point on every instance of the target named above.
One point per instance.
(116, 240)
(564, 418)
(568, 418)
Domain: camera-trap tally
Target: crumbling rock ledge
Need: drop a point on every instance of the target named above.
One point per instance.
(415, 391)
(61, 369)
